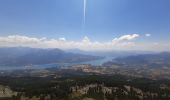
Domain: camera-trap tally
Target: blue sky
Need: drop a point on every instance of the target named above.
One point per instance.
(105, 19)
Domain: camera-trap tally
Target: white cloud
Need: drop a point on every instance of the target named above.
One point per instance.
(147, 35)
(86, 40)
(16, 40)
(126, 38)
(62, 39)
(125, 42)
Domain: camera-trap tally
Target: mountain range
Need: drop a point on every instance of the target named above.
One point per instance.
(152, 60)
(16, 56)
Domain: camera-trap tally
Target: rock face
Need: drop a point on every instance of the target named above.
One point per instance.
(84, 89)
(5, 91)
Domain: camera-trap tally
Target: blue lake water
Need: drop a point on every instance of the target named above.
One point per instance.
(94, 62)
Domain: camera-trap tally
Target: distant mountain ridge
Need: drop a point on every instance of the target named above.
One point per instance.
(112, 53)
(16, 56)
(159, 59)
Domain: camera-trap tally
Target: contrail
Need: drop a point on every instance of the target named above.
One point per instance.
(84, 19)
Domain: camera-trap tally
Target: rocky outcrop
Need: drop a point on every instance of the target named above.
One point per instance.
(5, 91)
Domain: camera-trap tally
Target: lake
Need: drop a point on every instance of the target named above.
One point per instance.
(93, 62)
